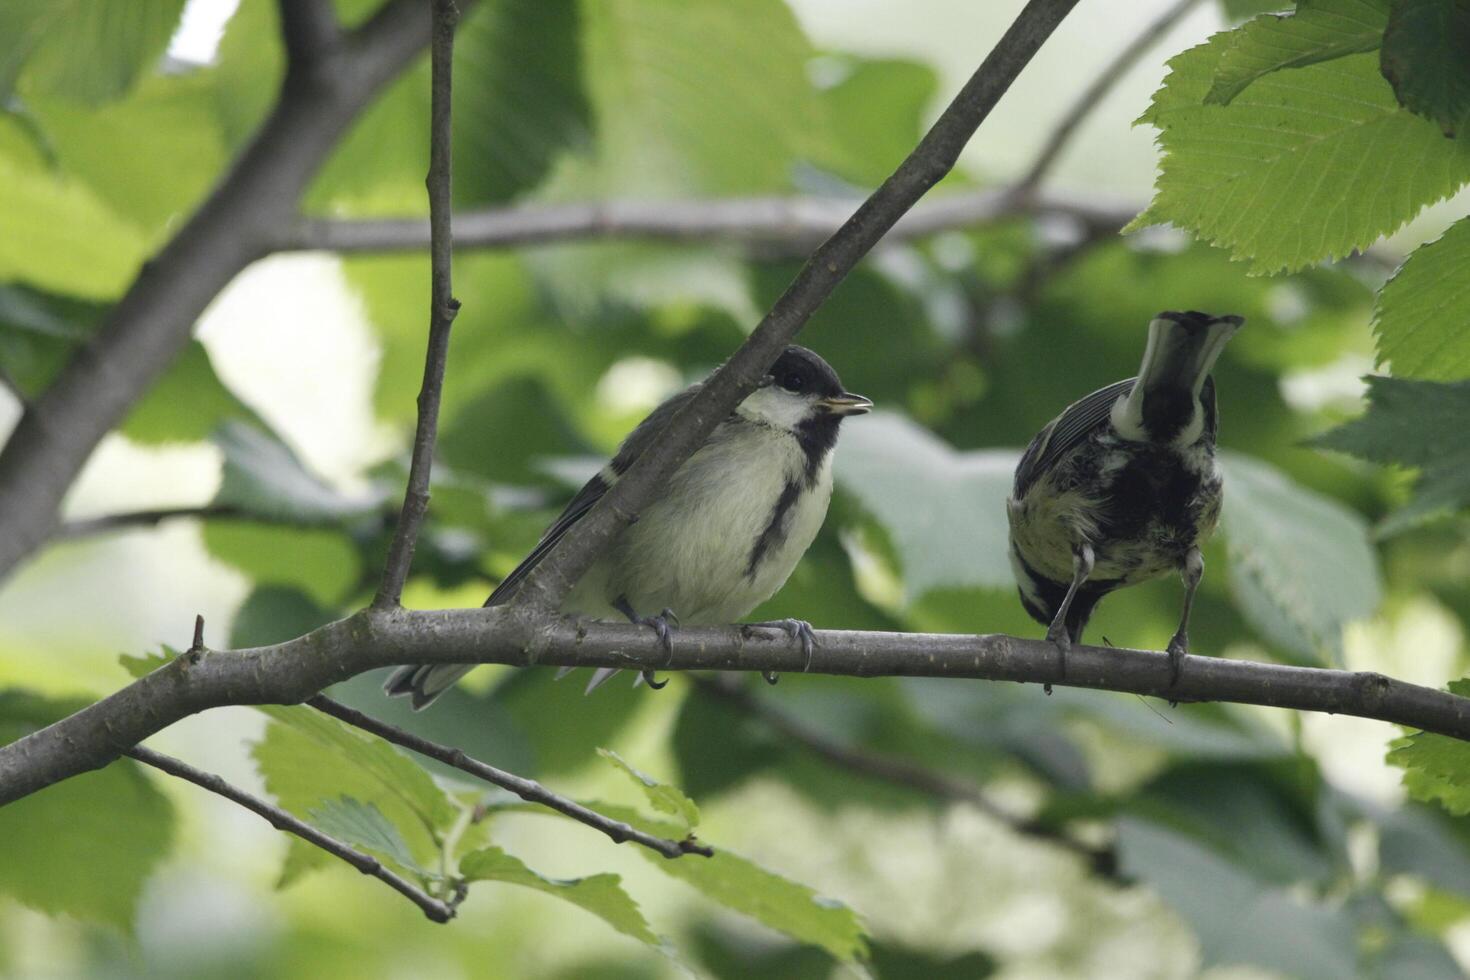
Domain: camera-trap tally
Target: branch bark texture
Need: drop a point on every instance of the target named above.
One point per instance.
(292, 672)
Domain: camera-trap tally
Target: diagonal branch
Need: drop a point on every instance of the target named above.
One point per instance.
(934, 157)
(1091, 96)
(294, 671)
(153, 321)
(527, 789)
(435, 909)
(442, 305)
(900, 771)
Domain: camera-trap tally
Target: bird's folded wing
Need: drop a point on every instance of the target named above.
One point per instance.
(1065, 432)
(592, 491)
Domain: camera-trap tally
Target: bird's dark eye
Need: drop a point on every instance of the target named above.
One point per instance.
(793, 382)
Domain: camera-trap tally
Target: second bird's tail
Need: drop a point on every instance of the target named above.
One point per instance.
(1182, 350)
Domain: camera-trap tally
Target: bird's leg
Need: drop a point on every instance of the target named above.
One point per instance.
(797, 629)
(660, 625)
(1190, 572)
(1082, 558)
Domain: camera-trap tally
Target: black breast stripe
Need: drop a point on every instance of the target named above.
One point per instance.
(772, 534)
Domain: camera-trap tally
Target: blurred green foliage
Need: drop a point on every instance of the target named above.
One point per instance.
(1283, 144)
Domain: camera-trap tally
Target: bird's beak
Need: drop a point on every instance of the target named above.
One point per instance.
(846, 404)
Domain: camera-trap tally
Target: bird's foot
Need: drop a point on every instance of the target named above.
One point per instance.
(660, 624)
(797, 629)
(1057, 636)
(1177, 650)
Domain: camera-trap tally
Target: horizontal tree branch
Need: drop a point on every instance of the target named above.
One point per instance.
(151, 517)
(292, 672)
(438, 911)
(527, 789)
(786, 224)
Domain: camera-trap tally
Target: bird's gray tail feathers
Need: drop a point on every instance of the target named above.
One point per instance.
(424, 682)
(1182, 349)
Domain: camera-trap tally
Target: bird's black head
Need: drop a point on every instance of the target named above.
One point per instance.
(804, 396)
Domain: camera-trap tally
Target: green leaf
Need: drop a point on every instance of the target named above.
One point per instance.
(1436, 767)
(263, 476)
(518, 99)
(944, 510)
(877, 114)
(1301, 565)
(1422, 311)
(88, 51)
(39, 332)
(321, 562)
(663, 797)
(58, 235)
(85, 846)
(683, 115)
(185, 405)
(745, 887)
(1318, 31)
(1238, 918)
(528, 697)
(601, 894)
(139, 666)
(1238, 10)
(101, 147)
(363, 825)
(308, 759)
(1414, 423)
(1425, 59)
(273, 614)
(1304, 165)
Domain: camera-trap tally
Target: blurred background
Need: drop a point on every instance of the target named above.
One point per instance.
(1078, 835)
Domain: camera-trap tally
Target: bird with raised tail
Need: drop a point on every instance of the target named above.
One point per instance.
(726, 532)
(1122, 487)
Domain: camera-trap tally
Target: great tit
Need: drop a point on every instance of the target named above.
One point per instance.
(1122, 487)
(725, 534)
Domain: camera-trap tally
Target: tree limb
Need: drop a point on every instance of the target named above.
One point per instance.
(153, 321)
(785, 224)
(438, 911)
(527, 789)
(934, 157)
(1111, 74)
(292, 672)
(442, 305)
(899, 771)
(309, 31)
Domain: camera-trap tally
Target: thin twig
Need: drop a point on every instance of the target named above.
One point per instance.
(1091, 96)
(931, 160)
(898, 770)
(442, 304)
(438, 911)
(527, 789)
(773, 224)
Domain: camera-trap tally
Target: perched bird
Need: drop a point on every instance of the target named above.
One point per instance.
(726, 533)
(1122, 487)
